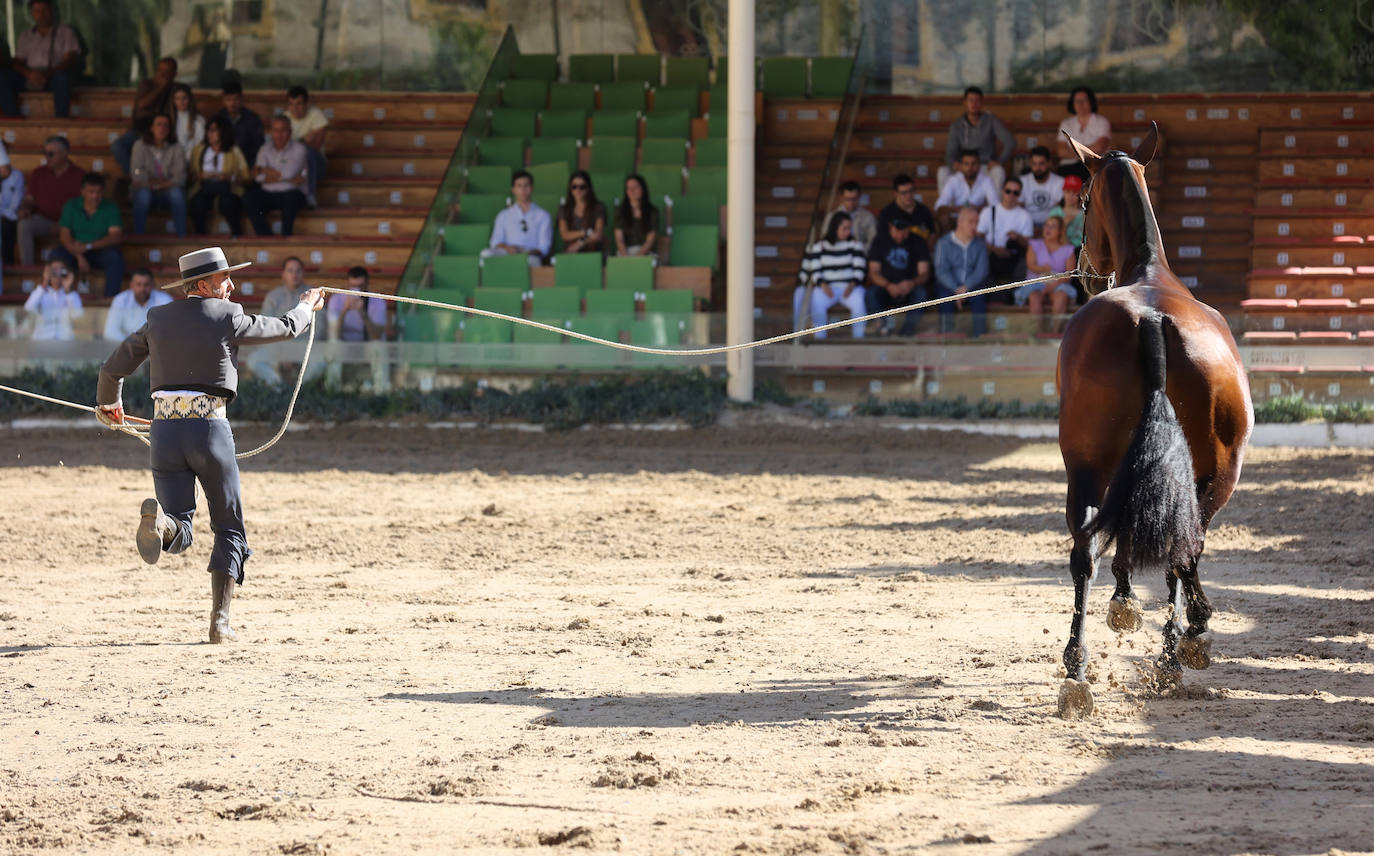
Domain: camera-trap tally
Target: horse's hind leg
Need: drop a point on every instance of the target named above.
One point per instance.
(1123, 612)
(1167, 667)
(1195, 648)
(1075, 696)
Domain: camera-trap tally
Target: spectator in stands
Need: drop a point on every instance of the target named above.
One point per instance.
(905, 206)
(898, 270)
(862, 222)
(969, 185)
(277, 303)
(152, 98)
(51, 185)
(1087, 127)
(188, 126)
(1048, 254)
(308, 126)
(835, 267)
(1042, 189)
(11, 197)
(280, 172)
(961, 266)
(45, 57)
(54, 303)
(582, 217)
(129, 309)
(636, 228)
(982, 132)
(91, 233)
(159, 176)
(219, 168)
(524, 228)
(357, 319)
(1071, 211)
(1006, 227)
(247, 125)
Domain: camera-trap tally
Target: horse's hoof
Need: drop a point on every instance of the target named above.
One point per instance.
(1124, 616)
(1075, 699)
(1195, 652)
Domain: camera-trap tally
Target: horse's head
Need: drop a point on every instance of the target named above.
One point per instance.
(1119, 219)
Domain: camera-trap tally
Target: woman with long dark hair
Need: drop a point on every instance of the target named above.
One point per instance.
(636, 228)
(582, 217)
(835, 267)
(159, 175)
(187, 123)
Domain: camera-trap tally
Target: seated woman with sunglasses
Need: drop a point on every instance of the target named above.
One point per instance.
(582, 217)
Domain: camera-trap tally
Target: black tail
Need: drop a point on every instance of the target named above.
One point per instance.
(1151, 510)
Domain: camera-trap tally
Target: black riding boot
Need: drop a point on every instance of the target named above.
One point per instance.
(222, 587)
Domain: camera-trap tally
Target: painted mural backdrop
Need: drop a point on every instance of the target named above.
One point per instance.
(910, 45)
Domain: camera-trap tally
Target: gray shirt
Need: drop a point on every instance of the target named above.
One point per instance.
(990, 138)
(193, 344)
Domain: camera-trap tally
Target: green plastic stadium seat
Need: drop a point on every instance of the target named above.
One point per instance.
(656, 332)
(628, 273)
(526, 335)
(663, 153)
(502, 151)
(678, 301)
(535, 67)
(639, 68)
(606, 327)
(672, 98)
(550, 198)
(579, 271)
(612, 152)
(509, 122)
(563, 123)
(429, 325)
(609, 184)
(549, 179)
(614, 302)
(444, 294)
(488, 179)
(503, 272)
(663, 181)
(507, 301)
(559, 302)
(709, 181)
(695, 246)
(480, 330)
(623, 96)
(482, 207)
(554, 150)
(466, 240)
(572, 96)
(711, 152)
(688, 71)
(718, 98)
(591, 68)
(525, 94)
(696, 210)
(673, 124)
(784, 77)
(830, 76)
(717, 126)
(456, 273)
(616, 123)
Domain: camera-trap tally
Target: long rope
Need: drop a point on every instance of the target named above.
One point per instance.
(136, 427)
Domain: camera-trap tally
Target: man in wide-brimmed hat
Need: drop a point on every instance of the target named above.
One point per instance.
(193, 345)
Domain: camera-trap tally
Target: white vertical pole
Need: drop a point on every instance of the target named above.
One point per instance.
(739, 266)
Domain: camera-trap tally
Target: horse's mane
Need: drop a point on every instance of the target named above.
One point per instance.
(1139, 211)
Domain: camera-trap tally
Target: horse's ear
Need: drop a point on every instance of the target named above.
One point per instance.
(1090, 158)
(1145, 152)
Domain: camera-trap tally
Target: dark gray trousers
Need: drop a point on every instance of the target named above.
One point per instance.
(184, 450)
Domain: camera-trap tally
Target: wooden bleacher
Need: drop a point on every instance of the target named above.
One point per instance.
(386, 151)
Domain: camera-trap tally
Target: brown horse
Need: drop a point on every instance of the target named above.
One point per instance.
(1154, 415)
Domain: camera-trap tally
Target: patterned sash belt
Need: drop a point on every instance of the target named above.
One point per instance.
(189, 407)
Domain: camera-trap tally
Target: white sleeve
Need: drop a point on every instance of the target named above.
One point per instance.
(946, 195)
(985, 220)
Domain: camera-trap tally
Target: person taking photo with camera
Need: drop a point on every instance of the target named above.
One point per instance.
(54, 303)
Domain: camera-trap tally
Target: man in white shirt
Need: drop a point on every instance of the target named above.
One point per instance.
(865, 225)
(1043, 189)
(523, 228)
(308, 125)
(281, 173)
(969, 186)
(129, 309)
(1007, 228)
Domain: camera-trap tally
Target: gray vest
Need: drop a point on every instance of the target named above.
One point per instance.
(193, 344)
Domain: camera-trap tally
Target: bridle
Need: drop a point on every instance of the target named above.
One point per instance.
(1085, 259)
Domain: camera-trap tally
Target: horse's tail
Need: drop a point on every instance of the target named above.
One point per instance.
(1151, 509)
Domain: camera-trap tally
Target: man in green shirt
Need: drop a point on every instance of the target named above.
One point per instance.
(91, 234)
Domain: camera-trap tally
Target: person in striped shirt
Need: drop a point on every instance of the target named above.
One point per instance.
(835, 268)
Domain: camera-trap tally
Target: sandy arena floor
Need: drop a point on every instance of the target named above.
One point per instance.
(749, 640)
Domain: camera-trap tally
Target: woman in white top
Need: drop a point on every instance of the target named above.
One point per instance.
(836, 267)
(1086, 126)
(187, 123)
(55, 303)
